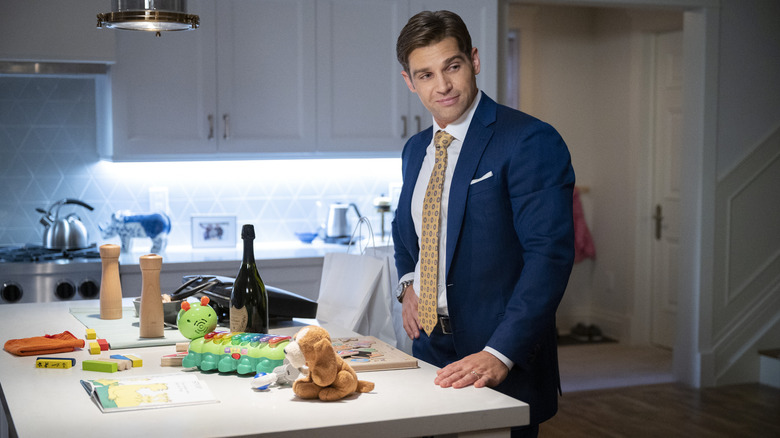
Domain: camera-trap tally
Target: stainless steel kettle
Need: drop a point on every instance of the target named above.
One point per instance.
(67, 232)
(337, 226)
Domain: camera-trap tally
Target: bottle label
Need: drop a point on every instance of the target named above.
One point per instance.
(238, 319)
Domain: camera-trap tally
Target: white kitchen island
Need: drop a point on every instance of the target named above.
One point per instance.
(52, 402)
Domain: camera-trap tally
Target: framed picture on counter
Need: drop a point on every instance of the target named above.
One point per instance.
(214, 231)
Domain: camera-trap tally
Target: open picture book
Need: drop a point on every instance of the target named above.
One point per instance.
(145, 392)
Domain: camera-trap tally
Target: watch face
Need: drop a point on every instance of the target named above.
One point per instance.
(401, 288)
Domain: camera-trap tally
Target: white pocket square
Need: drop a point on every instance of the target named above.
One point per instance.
(482, 178)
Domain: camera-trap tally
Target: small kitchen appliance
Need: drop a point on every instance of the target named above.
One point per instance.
(337, 229)
(64, 233)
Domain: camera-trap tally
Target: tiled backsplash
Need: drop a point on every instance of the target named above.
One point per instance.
(48, 152)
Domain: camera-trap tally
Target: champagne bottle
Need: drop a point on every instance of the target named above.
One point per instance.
(249, 299)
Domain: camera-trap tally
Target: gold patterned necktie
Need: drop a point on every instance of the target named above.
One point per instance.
(429, 240)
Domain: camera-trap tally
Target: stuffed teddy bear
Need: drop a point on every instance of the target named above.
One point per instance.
(329, 377)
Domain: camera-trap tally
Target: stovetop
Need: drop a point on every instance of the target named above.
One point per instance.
(38, 253)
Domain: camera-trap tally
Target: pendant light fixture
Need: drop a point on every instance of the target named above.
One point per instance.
(148, 15)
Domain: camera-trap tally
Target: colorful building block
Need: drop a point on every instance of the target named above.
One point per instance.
(134, 361)
(94, 348)
(137, 361)
(172, 360)
(99, 365)
(103, 344)
(54, 362)
(91, 334)
(121, 364)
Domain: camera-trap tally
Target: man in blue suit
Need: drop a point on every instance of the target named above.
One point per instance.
(506, 236)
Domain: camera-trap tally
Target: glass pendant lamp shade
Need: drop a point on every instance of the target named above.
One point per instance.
(148, 15)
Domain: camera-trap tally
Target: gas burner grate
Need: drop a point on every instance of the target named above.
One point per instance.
(37, 253)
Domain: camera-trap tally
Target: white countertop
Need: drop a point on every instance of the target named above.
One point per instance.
(263, 251)
(51, 402)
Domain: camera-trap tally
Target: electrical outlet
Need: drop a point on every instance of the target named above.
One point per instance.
(158, 199)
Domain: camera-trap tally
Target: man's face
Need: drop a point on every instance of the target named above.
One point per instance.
(444, 79)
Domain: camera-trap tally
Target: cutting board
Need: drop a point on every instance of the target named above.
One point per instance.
(124, 332)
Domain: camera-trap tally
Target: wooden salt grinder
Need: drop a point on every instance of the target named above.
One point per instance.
(110, 286)
(151, 314)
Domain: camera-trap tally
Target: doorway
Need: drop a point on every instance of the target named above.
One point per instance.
(592, 73)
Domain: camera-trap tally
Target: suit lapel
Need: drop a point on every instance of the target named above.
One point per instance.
(411, 171)
(477, 139)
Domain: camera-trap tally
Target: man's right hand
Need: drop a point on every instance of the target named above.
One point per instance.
(409, 313)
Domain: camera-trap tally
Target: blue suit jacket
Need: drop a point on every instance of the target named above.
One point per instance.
(510, 244)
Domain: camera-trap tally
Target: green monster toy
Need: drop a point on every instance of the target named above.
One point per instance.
(222, 351)
(196, 320)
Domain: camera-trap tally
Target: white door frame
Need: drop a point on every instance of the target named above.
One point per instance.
(698, 159)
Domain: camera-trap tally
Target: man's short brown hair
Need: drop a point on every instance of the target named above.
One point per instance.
(428, 28)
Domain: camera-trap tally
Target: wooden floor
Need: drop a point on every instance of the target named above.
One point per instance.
(612, 365)
(668, 410)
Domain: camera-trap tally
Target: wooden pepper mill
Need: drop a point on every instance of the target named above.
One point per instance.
(110, 286)
(151, 314)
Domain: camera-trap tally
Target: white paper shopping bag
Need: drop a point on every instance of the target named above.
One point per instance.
(356, 293)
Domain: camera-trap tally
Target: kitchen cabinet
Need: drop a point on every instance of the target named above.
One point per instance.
(62, 30)
(240, 85)
(363, 103)
(278, 78)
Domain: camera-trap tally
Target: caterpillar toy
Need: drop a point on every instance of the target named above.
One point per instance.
(239, 352)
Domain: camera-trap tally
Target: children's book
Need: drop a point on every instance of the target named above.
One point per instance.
(145, 392)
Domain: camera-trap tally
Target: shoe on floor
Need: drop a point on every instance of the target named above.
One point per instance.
(594, 334)
(580, 332)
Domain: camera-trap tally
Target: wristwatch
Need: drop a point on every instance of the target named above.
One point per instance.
(402, 289)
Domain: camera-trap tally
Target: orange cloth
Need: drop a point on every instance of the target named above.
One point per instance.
(47, 344)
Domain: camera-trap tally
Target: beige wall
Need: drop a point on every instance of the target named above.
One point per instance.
(576, 66)
(731, 286)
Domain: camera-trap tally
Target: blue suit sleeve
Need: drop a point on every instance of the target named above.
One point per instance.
(540, 182)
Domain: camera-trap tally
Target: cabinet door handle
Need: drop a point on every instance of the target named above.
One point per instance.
(226, 119)
(659, 220)
(418, 120)
(211, 126)
(403, 119)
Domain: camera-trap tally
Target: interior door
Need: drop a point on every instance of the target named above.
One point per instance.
(668, 122)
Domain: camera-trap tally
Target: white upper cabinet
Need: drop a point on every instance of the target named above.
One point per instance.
(265, 75)
(61, 30)
(362, 100)
(163, 91)
(277, 78)
(363, 104)
(240, 85)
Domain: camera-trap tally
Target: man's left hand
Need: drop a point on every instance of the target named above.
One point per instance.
(479, 369)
